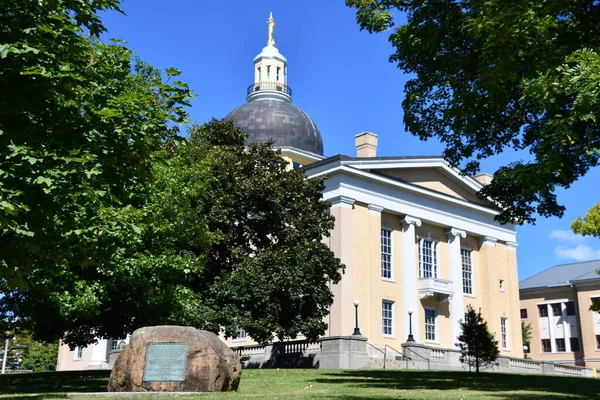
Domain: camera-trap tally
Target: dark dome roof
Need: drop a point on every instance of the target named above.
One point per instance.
(277, 120)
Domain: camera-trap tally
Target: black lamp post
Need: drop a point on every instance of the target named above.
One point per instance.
(356, 330)
(410, 335)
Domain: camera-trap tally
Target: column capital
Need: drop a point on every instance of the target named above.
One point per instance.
(488, 241)
(408, 220)
(375, 209)
(453, 232)
(512, 246)
(343, 201)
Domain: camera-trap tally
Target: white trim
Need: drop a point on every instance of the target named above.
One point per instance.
(342, 201)
(488, 241)
(511, 246)
(406, 186)
(473, 285)
(391, 237)
(302, 153)
(393, 319)
(375, 209)
(396, 200)
(435, 327)
(399, 163)
(456, 232)
(411, 221)
(507, 333)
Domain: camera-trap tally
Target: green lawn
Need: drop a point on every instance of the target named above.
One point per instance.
(333, 384)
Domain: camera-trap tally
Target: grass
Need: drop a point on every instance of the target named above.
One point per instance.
(284, 384)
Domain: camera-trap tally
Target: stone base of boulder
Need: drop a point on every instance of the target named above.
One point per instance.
(210, 367)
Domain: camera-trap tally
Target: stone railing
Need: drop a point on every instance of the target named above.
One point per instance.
(431, 286)
(346, 352)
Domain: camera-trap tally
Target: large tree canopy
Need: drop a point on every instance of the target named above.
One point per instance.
(229, 238)
(78, 123)
(488, 75)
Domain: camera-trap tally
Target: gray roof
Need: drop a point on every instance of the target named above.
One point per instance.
(287, 125)
(563, 274)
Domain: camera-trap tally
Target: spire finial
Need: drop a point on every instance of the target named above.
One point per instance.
(271, 23)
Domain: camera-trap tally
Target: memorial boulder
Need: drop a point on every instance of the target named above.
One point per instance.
(175, 359)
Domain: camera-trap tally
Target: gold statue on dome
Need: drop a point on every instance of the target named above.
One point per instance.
(271, 23)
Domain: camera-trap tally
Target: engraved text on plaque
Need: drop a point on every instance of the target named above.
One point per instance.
(165, 362)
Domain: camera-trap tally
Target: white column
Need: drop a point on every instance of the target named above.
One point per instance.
(98, 356)
(566, 327)
(552, 326)
(457, 307)
(410, 281)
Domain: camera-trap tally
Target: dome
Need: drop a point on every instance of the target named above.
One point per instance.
(269, 119)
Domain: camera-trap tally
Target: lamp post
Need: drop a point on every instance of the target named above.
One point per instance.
(410, 335)
(525, 348)
(7, 336)
(356, 330)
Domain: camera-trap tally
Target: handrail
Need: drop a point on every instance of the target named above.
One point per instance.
(376, 348)
(269, 85)
(385, 356)
(426, 359)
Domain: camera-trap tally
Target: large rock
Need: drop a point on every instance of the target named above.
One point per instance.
(211, 366)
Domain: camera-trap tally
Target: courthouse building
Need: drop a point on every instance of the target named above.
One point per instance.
(411, 231)
(556, 303)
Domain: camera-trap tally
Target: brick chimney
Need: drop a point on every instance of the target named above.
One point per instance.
(366, 144)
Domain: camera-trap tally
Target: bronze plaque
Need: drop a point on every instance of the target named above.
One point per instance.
(165, 362)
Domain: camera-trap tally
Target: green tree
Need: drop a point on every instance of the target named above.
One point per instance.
(478, 347)
(35, 355)
(526, 337)
(78, 124)
(487, 76)
(230, 237)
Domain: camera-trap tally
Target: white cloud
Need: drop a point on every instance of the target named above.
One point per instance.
(581, 252)
(567, 236)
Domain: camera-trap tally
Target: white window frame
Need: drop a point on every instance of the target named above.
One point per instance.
(472, 272)
(435, 263)
(78, 353)
(241, 335)
(502, 285)
(504, 333)
(392, 318)
(390, 254)
(435, 325)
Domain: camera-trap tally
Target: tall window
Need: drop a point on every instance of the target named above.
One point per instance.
(546, 346)
(560, 345)
(78, 352)
(268, 72)
(387, 317)
(428, 259)
(570, 308)
(504, 330)
(278, 70)
(430, 322)
(259, 77)
(467, 271)
(386, 254)
(543, 310)
(556, 311)
(598, 342)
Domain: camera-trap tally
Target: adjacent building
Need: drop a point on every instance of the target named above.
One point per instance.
(556, 303)
(418, 244)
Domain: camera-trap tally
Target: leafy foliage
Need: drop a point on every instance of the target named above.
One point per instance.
(526, 337)
(490, 76)
(589, 225)
(478, 347)
(78, 123)
(229, 238)
(37, 356)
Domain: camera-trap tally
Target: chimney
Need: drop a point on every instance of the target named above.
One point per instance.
(484, 179)
(366, 144)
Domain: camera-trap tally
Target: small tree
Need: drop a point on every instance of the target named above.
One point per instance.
(478, 347)
(526, 336)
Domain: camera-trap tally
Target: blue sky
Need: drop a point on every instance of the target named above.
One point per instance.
(339, 75)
